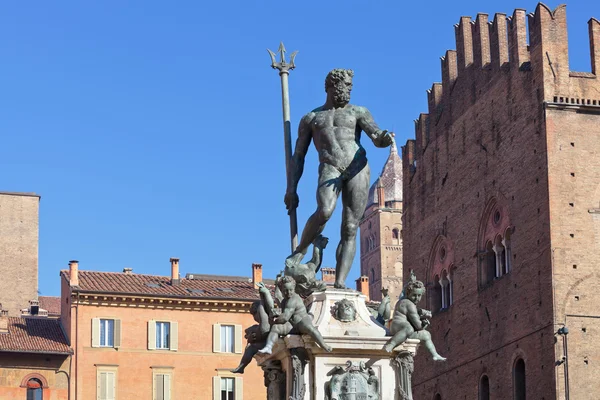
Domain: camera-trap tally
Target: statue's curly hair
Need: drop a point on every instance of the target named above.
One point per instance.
(254, 307)
(337, 75)
(286, 279)
(414, 285)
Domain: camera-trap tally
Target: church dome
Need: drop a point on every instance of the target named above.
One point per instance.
(390, 178)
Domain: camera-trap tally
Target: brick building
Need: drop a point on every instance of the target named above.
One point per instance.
(501, 213)
(34, 359)
(19, 231)
(380, 231)
(158, 337)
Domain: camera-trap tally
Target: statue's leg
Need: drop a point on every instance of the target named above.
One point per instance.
(425, 338)
(327, 195)
(305, 326)
(354, 199)
(250, 351)
(271, 339)
(399, 337)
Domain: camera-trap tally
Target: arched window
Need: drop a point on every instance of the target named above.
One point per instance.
(436, 295)
(445, 284)
(372, 274)
(500, 257)
(34, 389)
(508, 252)
(490, 264)
(484, 388)
(395, 236)
(519, 380)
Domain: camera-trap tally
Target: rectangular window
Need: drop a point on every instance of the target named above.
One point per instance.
(227, 388)
(106, 385)
(227, 338)
(162, 335)
(107, 332)
(162, 385)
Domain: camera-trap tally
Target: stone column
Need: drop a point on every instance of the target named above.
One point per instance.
(404, 365)
(274, 380)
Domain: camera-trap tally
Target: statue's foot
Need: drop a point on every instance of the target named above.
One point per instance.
(238, 370)
(437, 357)
(388, 347)
(327, 348)
(339, 285)
(266, 350)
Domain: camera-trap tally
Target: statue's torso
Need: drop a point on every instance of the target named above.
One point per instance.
(336, 135)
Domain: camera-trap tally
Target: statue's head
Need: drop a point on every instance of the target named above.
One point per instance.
(287, 285)
(254, 310)
(414, 291)
(344, 311)
(384, 292)
(338, 85)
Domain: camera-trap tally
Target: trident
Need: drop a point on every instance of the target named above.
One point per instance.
(284, 71)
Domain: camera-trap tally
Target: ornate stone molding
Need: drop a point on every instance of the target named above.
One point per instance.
(404, 366)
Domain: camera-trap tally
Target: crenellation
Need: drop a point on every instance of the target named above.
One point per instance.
(422, 131)
(517, 39)
(434, 98)
(408, 158)
(498, 41)
(481, 41)
(594, 29)
(449, 72)
(464, 43)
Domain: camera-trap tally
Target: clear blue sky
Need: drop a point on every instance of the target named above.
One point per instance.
(153, 129)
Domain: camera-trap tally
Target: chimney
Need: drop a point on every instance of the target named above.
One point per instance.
(174, 271)
(34, 307)
(328, 275)
(3, 320)
(380, 193)
(256, 274)
(362, 285)
(128, 271)
(74, 272)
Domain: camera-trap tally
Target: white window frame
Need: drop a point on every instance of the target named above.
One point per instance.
(238, 386)
(106, 369)
(107, 336)
(157, 373)
(160, 332)
(227, 338)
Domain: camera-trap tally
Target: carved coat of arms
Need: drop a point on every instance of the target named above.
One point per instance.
(353, 382)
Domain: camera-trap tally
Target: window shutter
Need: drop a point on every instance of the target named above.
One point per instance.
(151, 335)
(110, 386)
(117, 338)
(239, 389)
(167, 385)
(216, 338)
(95, 332)
(160, 386)
(216, 387)
(99, 385)
(174, 336)
(238, 339)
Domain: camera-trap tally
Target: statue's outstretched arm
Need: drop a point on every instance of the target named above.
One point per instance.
(266, 298)
(302, 143)
(380, 138)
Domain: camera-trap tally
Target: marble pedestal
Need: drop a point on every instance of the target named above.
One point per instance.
(298, 369)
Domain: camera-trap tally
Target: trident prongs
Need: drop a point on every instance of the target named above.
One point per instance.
(282, 65)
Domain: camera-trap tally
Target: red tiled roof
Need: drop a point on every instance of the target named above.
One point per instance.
(34, 335)
(152, 285)
(50, 304)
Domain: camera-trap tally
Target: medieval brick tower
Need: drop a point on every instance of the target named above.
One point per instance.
(380, 231)
(502, 213)
(19, 231)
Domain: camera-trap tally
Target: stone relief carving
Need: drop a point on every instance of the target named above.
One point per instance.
(354, 381)
(404, 365)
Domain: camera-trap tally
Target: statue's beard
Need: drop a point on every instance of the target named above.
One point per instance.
(341, 98)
